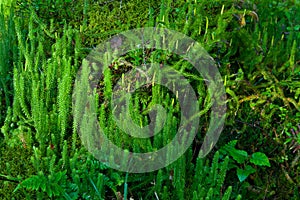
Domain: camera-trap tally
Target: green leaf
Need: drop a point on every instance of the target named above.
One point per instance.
(297, 27)
(238, 155)
(244, 173)
(17, 188)
(49, 190)
(260, 159)
(43, 185)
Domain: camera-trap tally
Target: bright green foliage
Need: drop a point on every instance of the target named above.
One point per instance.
(8, 51)
(244, 169)
(208, 181)
(40, 121)
(256, 47)
(52, 185)
(6, 6)
(260, 159)
(244, 173)
(238, 155)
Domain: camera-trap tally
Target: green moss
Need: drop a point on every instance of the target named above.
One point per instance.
(255, 45)
(15, 162)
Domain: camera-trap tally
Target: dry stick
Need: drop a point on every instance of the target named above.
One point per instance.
(290, 180)
(295, 161)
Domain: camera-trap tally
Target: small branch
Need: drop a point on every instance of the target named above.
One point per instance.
(6, 178)
(296, 160)
(290, 180)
